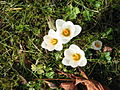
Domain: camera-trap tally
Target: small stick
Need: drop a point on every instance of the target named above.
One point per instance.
(57, 79)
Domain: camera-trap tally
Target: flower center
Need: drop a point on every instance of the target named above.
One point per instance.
(97, 44)
(54, 41)
(76, 57)
(66, 32)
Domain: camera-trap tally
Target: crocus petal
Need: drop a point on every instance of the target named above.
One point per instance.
(68, 53)
(77, 30)
(97, 48)
(44, 45)
(83, 62)
(51, 32)
(73, 64)
(46, 39)
(81, 52)
(64, 41)
(62, 25)
(59, 47)
(69, 56)
(70, 26)
(59, 23)
(52, 41)
(50, 47)
(66, 61)
(74, 47)
(68, 23)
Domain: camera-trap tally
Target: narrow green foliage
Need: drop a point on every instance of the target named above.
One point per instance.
(24, 23)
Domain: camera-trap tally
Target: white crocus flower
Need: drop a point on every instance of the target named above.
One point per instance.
(67, 30)
(97, 45)
(74, 57)
(52, 41)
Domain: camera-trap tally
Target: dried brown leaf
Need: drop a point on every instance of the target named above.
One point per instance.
(50, 22)
(22, 79)
(51, 85)
(83, 73)
(26, 61)
(76, 82)
(89, 84)
(107, 49)
(68, 86)
(66, 74)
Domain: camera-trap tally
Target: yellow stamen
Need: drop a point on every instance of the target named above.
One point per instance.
(76, 57)
(66, 32)
(97, 45)
(54, 41)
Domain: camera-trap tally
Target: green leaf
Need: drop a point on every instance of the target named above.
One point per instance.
(91, 1)
(71, 12)
(98, 4)
(76, 10)
(109, 30)
(86, 14)
(48, 69)
(107, 54)
(108, 58)
(33, 67)
(40, 66)
(22, 28)
(50, 74)
(40, 71)
(107, 33)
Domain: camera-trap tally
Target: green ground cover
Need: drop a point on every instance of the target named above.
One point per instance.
(24, 23)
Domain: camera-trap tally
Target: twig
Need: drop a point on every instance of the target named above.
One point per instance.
(57, 79)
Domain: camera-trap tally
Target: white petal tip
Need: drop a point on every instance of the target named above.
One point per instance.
(83, 63)
(77, 30)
